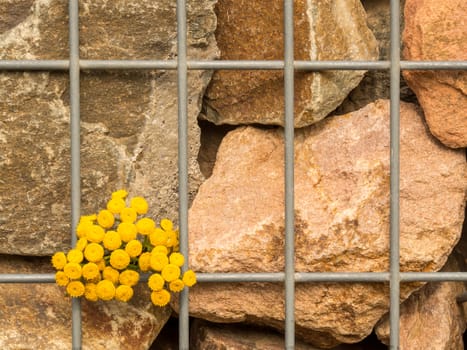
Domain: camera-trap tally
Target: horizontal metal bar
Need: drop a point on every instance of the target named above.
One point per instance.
(241, 277)
(297, 65)
(342, 277)
(300, 277)
(31, 65)
(27, 65)
(341, 65)
(433, 276)
(236, 65)
(27, 278)
(128, 64)
(433, 65)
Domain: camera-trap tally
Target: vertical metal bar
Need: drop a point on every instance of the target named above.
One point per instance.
(394, 172)
(289, 175)
(73, 12)
(183, 162)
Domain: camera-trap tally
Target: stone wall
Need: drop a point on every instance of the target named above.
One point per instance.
(129, 140)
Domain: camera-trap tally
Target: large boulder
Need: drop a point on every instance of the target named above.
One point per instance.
(341, 219)
(253, 30)
(38, 316)
(128, 119)
(435, 31)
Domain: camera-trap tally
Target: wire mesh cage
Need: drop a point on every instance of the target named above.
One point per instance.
(288, 65)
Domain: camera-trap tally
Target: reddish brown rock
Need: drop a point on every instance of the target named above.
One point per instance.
(342, 219)
(253, 30)
(431, 318)
(38, 316)
(436, 31)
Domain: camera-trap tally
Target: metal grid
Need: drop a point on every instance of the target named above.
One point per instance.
(289, 277)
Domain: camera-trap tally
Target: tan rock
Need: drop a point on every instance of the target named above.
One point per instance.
(38, 316)
(128, 119)
(342, 219)
(240, 337)
(253, 30)
(213, 336)
(436, 31)
(431, 318)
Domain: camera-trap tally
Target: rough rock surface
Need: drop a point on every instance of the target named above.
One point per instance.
(436, 31)
(253, 30)
(38, 316)
(205, 335)
(431, 318)
(216, 336)
(128, 119)
(342, 219)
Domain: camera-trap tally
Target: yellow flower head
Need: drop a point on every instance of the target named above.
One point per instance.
(72, 270)
(59, 260)
(61, 278)
(177, 259)
(127, 231)
(75, 289)
(139, 204)
(123, 293)
(158, 237)
(83, 228)
(160, 297)
(176, 285)
(145, 226)
(134, 248)
(170, 272)
(105, 290)
(115, 205)
(90, 271)
(144, 261)
(94, 252)
(172, 238)
(167, 225)
(105, 218)
(128, 215)
(158, 261)
(95, 234)
(90, 291)
(112, 240)
(156, 282)
(189, 278)
(81, 243)
(111, 274)
(119, 259)
(120, 194)
(75, 255)
(129, 278)
(160, 249)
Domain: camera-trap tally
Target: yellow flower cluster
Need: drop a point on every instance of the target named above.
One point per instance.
(114, 246)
